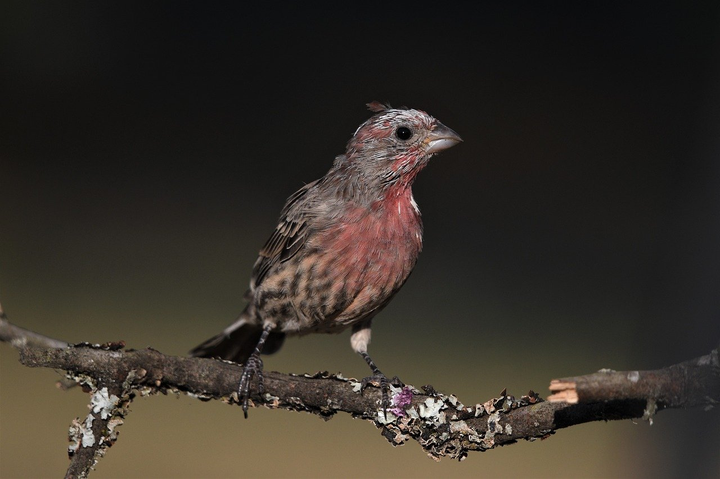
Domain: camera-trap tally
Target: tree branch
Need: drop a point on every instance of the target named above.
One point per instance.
(693, 383)
(440, 423)
(21, 337)
(90, 438)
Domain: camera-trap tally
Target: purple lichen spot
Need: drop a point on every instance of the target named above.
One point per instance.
(400, 401)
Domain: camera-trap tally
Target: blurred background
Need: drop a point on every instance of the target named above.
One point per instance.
(146, 150)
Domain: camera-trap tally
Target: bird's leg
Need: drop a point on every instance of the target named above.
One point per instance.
(253, 366)
(381, 378)
(359, 341)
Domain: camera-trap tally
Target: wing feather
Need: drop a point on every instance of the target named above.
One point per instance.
(289, 235)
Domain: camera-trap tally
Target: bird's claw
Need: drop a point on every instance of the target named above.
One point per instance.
(384, 384)
(253, 367)
(395, 381)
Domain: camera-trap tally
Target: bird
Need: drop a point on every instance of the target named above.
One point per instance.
(343, 247)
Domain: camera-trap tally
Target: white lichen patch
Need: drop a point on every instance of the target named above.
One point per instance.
(271, 401)
(430, 408)
(452, 399)
(74, 435)
(332, 404)
(633, 376)
(356, 386)
(103, 403)
(493, 427)
(606, 370)
(82, 380)
(145, 391)
(394, 391)
(88, 437)
(270, 398)
(81, 434)
(383, 418)
(650, 410)
(133, 377)
(508, 429)
(412, 413)
(192, 395)
(441, 419)
(462, 428)
(493, 423)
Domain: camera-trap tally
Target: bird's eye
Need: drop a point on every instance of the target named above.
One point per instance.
(404, 133)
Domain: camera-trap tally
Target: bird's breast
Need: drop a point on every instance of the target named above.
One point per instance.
(371, 253)
(347, 270)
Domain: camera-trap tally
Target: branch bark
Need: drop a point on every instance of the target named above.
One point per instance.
(21, 337)
(441, 424)
(693, 383)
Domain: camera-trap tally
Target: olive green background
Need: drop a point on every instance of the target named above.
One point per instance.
(146, 151)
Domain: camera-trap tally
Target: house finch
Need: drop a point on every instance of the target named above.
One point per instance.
(343, 247)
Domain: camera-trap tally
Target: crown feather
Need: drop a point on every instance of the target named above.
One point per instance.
(377, 107)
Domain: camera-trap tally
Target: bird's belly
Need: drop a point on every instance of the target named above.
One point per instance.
(331, 292)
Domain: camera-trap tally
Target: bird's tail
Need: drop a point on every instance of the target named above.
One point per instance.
(238, 342)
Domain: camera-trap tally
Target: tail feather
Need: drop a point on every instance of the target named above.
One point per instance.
(238, 344)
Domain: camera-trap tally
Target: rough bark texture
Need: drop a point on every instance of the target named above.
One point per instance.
(441, 424)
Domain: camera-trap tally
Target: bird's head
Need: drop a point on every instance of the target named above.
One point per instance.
(393, 145)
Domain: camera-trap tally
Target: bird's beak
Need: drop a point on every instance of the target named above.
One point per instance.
(441, 138)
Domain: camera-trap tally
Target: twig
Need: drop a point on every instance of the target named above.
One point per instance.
(693, 383)
(90, 439)
(21, 337)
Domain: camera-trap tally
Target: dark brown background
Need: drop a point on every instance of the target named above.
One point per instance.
(146, 150)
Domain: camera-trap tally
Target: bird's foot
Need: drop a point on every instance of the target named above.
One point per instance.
(253, 367)
(384, 383)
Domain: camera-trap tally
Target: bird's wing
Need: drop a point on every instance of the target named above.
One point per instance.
(288, 237)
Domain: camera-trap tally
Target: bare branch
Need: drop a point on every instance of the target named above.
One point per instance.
(693, 383)
(21, 337)
(440, 423)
